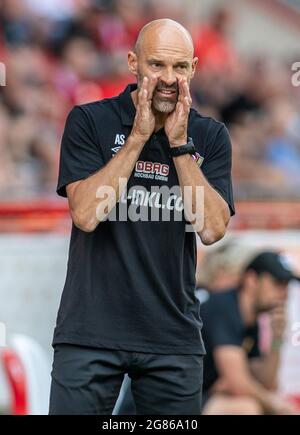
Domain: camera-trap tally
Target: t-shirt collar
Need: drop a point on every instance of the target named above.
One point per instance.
(127, 107)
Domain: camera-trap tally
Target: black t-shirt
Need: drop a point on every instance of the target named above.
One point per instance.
(130, 284)
(223, 325)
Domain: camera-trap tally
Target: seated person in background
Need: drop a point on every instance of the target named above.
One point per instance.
(221, 267)
(237, 378)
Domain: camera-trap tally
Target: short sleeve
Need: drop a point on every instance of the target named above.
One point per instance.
(217, 166)
(220, 324)
(80, 154)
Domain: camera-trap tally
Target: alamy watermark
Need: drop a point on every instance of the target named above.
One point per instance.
(159, 204)
(296, 75)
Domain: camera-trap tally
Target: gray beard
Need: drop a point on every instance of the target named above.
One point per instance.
(163, 106)
(158, 105)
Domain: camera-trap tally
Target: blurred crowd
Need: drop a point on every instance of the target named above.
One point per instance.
(60, 53)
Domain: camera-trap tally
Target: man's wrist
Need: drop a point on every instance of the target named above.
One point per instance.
(136, 140)
(276, 344)
(178, 142)
(187, 148)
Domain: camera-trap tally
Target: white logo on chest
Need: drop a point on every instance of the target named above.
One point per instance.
(119, 141)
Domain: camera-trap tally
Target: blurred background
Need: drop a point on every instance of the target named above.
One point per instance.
(61, 53)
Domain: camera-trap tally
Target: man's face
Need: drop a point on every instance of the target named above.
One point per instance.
(270, 292)
(168, 69)
(168, 57)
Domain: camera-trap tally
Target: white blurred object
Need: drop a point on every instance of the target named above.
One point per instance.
(55, 9)
(289, 374)
(4, 391)
(125, 383)
(37, 372)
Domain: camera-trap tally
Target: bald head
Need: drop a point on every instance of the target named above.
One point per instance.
(164, 29)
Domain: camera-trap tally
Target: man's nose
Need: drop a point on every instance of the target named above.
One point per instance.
(169, 77)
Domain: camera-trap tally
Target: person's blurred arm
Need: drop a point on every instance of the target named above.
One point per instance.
(236, 379)
(265, 368)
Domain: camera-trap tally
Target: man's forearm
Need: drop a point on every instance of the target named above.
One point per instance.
(265, 369)
(85, 201)
(216, 211)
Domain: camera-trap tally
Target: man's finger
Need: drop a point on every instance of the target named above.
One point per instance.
(143, 93)
(180, 90)
(152, 82)
(186, 91)
(144, 83)
(279, 308)
(184, 95)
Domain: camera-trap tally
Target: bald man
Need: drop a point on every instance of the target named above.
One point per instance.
(143, 173)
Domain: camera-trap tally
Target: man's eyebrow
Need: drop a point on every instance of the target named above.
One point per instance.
(153, 60)
(182, 63)
(179, 63)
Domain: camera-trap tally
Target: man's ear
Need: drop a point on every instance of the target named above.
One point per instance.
(132, 63)
(194, 66)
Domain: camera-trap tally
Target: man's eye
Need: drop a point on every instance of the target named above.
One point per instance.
(156, 65)
(181, 67)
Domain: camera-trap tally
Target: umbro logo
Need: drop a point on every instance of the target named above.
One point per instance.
(116, 149)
